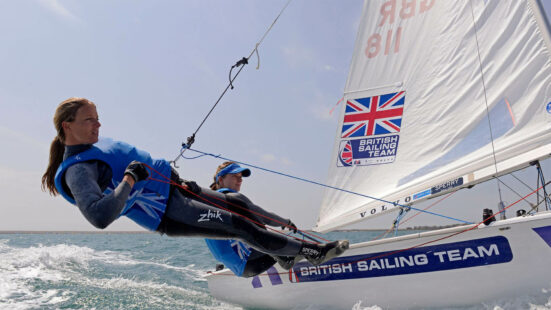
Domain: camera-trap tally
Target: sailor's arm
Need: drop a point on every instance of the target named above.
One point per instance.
(99, 209)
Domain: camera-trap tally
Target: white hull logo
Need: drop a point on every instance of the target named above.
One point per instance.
(205, 217)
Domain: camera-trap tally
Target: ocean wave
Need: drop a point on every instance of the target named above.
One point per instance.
(41, 276)
(155, 293)
(189, 270)
(22, 268)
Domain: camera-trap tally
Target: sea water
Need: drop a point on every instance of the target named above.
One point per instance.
(130, 271)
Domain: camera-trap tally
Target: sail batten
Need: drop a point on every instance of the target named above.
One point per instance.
(426, 83)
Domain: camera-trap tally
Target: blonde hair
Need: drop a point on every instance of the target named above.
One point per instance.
(215, 186)
(65, 112)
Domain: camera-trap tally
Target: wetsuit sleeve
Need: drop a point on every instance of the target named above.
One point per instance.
(267, 218)
(99, 209)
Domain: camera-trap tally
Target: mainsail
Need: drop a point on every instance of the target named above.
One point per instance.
(441, 95)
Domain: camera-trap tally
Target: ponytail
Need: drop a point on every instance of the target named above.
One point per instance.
(57, 148)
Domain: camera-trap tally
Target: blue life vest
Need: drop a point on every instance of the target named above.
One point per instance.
(232, 253)
(147, 201)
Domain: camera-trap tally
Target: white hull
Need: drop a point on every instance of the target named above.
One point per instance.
(506, 259)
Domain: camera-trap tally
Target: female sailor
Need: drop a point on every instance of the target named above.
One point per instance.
(235, 255)
(106, 179)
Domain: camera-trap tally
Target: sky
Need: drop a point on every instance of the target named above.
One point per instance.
(155, 68)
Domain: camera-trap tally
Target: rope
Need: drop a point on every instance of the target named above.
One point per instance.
(403, 212)
(240, 63)
(331, 111)
(313, 239)
(537, 205)
(432, 205)
(167, 180)
(383, 234)
(328, 186)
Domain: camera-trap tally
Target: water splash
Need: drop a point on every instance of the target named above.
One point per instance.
(65, 275)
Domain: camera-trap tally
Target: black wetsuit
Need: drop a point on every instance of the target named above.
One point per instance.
(185, 214)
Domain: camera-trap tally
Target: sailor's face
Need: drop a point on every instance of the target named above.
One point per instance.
(232, 181)
(84, 129)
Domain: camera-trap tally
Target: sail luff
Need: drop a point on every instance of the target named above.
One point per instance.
(542, 20)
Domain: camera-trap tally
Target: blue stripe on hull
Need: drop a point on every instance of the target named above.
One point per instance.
(465, 254)
(545, 233)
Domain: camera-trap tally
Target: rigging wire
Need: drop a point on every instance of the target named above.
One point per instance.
(241, 64)
(328, 186)
(542, 179)
(486, 101)
(519, 195)
(400, 216)
(430, 206)
(522, 182)
(536, 206)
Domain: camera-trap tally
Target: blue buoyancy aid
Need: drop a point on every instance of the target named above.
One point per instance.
(232, 253)
(147, 201)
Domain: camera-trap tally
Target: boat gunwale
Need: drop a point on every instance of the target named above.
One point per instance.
(444, 231)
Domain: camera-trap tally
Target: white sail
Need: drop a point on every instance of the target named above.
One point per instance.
(424, 77)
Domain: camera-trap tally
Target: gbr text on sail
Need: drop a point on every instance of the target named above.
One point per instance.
(387, 42)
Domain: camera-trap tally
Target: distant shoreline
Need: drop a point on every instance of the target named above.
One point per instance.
(13, 232)
(101, 232)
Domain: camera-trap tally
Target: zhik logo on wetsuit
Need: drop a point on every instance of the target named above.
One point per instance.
(309, 251)
(205, 217)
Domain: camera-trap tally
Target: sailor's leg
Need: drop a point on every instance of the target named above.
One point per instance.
(257, 263)
(187, 217)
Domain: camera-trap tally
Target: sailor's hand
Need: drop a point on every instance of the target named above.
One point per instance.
(192, 186)
(137, 171)
(291, 226)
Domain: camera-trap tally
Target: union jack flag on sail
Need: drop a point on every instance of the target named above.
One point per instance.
(377, 115)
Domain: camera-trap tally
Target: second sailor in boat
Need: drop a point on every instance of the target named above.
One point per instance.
(234, 254)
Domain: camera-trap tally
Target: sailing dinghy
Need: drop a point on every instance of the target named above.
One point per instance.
(441, 96)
